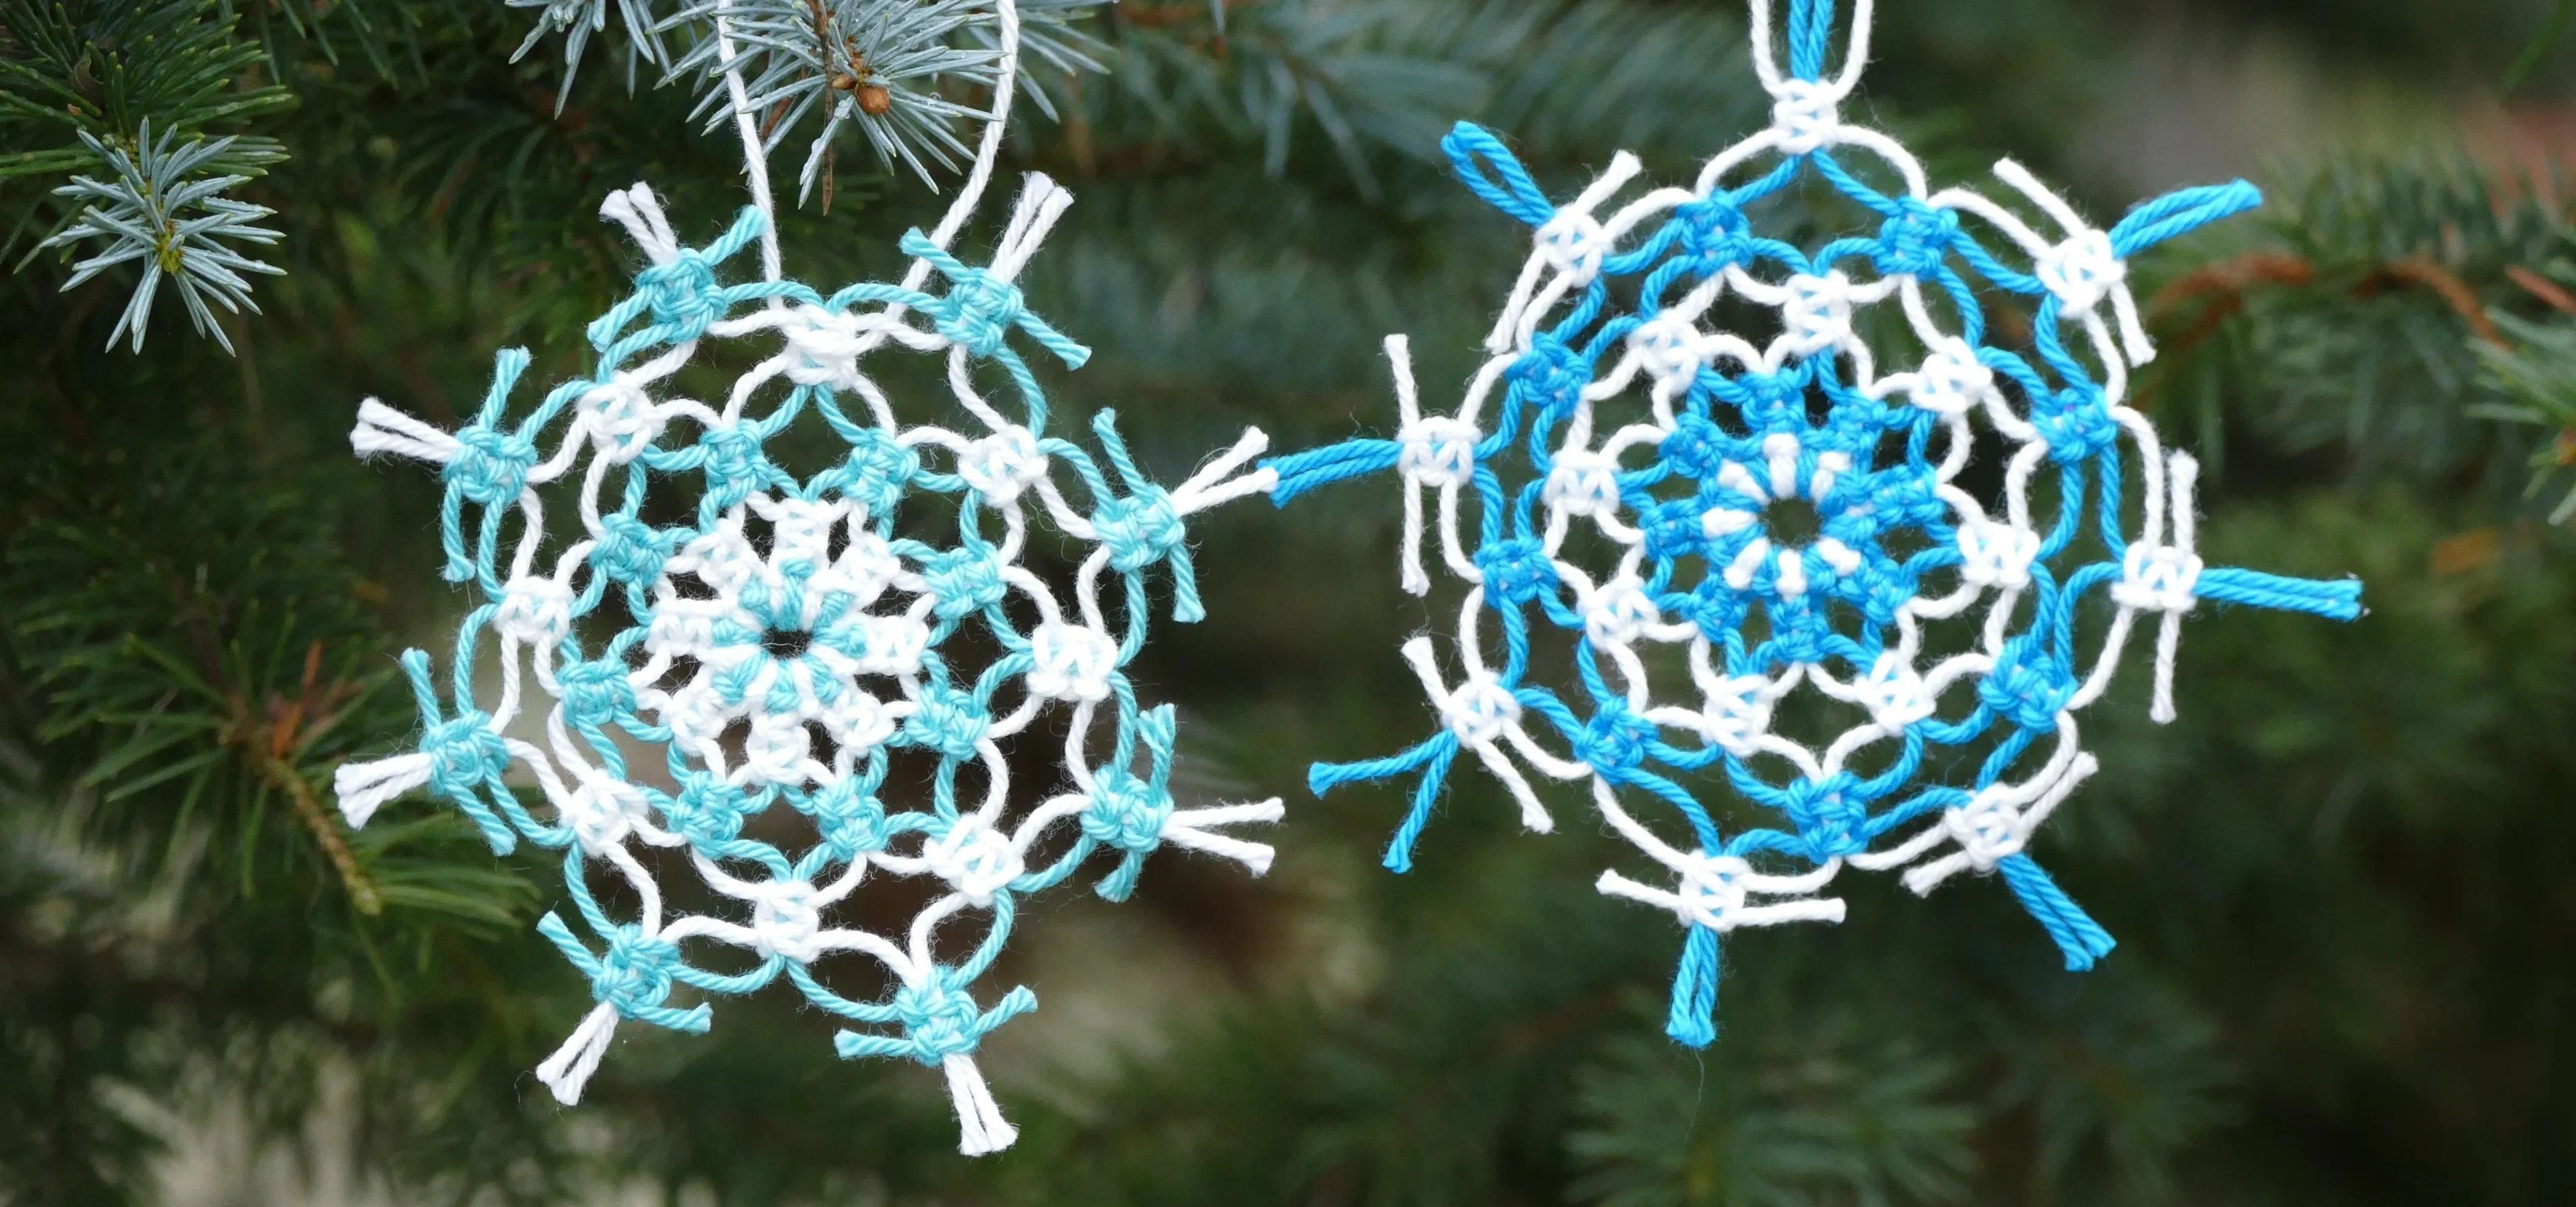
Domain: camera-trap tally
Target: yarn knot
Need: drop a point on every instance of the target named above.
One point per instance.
(1002, 465)
(534, 610)
(600, 812)
(1714, 234)
(978, 312)
(708, 811)
(734, 464)
(1996, 555)
(1071, 662)
(875, 473)
(1481, 710)
(980, 308)
(1140, 529)
(1736, 710)
(851, 819)
(1614, 740)
(823, 347)
(629, 550)
(2157, 578)
(491, 466)
(1951, 379)
(2074, 422)
(975, 859)
(1437, 450)
(2027, 685)
(1818, 312)
(946, 722)
(1916, 239)
(2082, 270)
(1515, 570)
(778, 747)
(683, 294)
(595, 693)
(1773, 401)
(1582, 482)
(785, 921)
(635, 972)
(1672, 529)
(1695, 448)
(1827, 817)
(1712, 890)
(1667, 349)
(1989, 828)
(1803, 111)
(1619, 613)
(858, 722)
(1126, 812)
(464, 753)
(621, 417)
(939, 1018)
(962, 581)
(1574, 243)
(1895, 695)
(1552, 373)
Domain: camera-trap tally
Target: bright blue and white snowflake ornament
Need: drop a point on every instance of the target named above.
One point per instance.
(791, 637)
(1752, 510)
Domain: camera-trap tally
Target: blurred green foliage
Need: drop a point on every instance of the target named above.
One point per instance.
(2341, 881)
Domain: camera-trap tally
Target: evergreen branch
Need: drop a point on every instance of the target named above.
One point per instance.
(2533, 379)
(2355, 321)
(105, 67)
(158, 212)
(272, 740)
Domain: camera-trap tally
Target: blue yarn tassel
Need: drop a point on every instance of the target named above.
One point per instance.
(1693, 1021)
(2077, 935)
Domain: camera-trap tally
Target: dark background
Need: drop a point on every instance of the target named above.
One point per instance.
(2341, 881)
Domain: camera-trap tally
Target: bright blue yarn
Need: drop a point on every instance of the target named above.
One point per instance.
(1844, 618)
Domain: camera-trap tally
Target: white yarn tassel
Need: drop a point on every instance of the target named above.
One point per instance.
(636, 209)
(365, 787)
(382, 429)
(2181, 474)
(1041, 202)
(1209, 486)
(570, 1067)
(980, 1125)
(1195, 829)
(1408, 407)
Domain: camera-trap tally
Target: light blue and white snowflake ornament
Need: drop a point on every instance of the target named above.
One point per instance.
(792, 636)
(1694, 452)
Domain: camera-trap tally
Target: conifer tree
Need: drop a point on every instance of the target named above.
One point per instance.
(2346, 953)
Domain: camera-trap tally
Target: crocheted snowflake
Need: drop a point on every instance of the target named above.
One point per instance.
(792, 636)
(1700, 452)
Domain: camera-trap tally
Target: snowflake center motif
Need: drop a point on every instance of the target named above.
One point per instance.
(791, 640)
(1788, 510)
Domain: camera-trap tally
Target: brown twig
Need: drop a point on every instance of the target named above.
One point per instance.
(2419, 269)
(2228, 282)
(2541, 287)
(270, 742)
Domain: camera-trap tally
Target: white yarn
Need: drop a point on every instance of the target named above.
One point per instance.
(569, 1069)
(1817, 314)
(698, 676)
